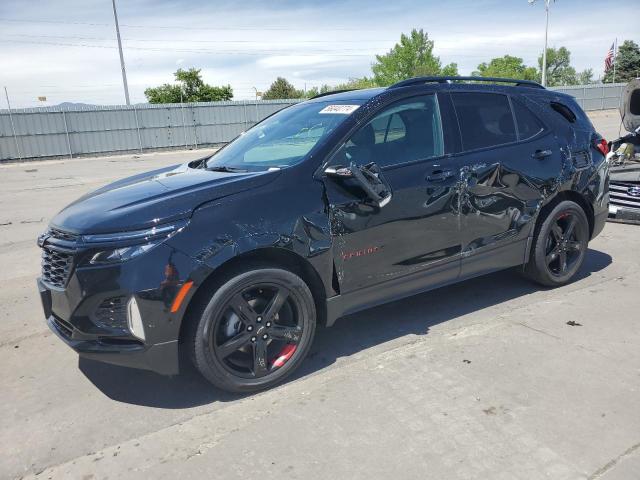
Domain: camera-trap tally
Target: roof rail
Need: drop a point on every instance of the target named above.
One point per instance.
(331, 93)
(421, 80)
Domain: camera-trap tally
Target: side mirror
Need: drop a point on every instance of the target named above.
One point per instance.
(369, 177)
(338, 171)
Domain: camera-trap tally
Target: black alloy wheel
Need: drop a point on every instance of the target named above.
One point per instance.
(255, 331)
(559, 245)
(564, 247)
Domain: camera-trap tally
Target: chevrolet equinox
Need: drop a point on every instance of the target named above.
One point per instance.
(328, 207)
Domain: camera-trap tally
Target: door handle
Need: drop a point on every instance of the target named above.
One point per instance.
(540, 154)
(439, 175)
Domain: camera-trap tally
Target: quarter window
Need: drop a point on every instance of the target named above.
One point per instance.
(485, 119)
(406, 131)
(528, 124)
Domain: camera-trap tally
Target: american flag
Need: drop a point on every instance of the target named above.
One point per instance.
(608, 60)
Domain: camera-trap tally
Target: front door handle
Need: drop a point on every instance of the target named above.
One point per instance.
(440, 175)
(540, 154)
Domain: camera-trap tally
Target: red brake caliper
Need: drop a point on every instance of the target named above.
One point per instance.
(284, 355)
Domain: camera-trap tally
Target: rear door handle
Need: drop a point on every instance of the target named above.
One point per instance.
(540, 154)
(440, 175)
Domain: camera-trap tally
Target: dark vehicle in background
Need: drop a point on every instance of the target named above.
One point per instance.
(625, 160)
(328, 207)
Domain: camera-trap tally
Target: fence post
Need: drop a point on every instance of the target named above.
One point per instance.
(135, 115)
(603, 93)
(66, 131)
(184, 125)
(584, 96)
(195, 127)
(244, 108)
(257, 118)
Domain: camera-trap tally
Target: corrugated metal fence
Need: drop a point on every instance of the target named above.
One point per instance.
(54, 132)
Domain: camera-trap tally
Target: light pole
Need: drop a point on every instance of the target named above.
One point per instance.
(124, 72)
(547, 3)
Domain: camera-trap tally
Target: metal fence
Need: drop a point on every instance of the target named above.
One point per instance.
(54, 132)
(595, 97)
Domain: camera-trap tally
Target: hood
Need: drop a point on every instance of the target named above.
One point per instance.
(630, 105)
(153, 198)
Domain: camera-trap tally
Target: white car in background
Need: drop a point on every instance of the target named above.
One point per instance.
(624, 157)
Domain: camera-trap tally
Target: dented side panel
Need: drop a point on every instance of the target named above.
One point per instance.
(416, 231)
(503, 189)
(289, 216)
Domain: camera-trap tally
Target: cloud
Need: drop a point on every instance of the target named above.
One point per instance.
(67, 51)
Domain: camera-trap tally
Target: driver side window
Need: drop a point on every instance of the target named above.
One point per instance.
(406, 131)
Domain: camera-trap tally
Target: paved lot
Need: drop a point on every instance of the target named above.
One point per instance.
(483, 379)
(607, 122)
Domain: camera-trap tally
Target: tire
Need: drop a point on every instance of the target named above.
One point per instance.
(559, 246)
(256, 329)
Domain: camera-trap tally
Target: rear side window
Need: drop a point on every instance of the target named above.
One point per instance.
(485, 119)
(528, 125)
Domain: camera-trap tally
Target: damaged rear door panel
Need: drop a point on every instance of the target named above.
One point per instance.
(510, 163)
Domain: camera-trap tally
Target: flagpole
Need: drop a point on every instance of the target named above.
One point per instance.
(615, 52)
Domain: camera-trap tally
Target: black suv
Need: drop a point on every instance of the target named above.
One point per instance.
(330, 206)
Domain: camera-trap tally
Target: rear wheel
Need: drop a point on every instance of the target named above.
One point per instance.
(255, 331)
(560, 245)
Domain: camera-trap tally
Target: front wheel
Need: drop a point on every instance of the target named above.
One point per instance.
(559, 246)
(255, 331)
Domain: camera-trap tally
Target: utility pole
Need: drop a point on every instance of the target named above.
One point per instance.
(546, 36)
(124, 72)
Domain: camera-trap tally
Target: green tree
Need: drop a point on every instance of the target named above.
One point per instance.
(507, 67)
(356, 84)
(585, 77)
(412, 56)
(559, 69)
(280, 89)
(627, 63)
(190, 88)
(313, 91)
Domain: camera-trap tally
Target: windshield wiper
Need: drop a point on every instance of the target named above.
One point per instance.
(224, 168)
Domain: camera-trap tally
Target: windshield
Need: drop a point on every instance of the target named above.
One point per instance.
(283, 139)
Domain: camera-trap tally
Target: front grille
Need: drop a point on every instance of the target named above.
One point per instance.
(56, 267)
(112, 313)
(64, 327)
(619, 195)
(61, 235)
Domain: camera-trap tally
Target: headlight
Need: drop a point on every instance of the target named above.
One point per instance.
(121, 254)
(122, 246)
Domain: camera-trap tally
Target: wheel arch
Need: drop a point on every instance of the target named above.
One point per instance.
(571, 195)
(266, 257)
(575, 197)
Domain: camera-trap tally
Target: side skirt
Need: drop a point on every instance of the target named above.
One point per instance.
(476, 265)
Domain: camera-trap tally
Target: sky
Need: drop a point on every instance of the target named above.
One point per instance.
(66, 50)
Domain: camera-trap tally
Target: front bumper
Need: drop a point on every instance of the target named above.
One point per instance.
(625, 215)
(72, 312)
(160, 358)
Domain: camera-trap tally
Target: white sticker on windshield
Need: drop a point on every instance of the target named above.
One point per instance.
(339, 109)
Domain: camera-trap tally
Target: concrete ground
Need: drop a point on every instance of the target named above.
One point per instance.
(607, 123)
(485, 379)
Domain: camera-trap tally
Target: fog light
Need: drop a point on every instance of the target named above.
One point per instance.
(135, 319)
